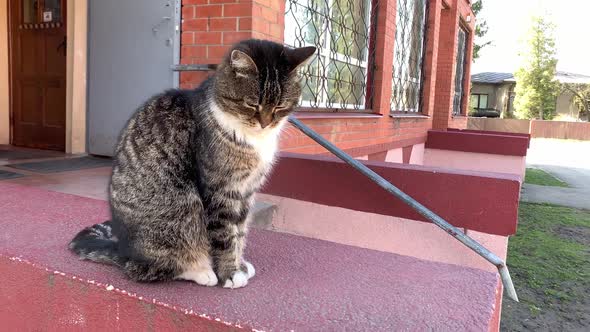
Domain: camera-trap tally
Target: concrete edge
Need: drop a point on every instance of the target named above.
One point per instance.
(67, 300)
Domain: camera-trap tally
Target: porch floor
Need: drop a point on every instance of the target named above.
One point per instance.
(11, 154)
(91, 183)
(301, 283)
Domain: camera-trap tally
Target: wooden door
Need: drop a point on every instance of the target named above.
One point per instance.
(38, 73)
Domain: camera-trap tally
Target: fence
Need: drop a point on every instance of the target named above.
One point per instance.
(503, 125)
(537, 128)
(561, 130)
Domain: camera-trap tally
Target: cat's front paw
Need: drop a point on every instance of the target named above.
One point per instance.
(204, 277)
(248, 268)
(240, 278)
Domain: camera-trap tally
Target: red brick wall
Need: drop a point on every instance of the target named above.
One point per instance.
(431, 57)
(210, 26)
(464, 12)
(358, 136)
(453, 15)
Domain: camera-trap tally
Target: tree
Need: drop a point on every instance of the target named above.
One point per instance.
(581, 94)
(536, 87)
(481, 28)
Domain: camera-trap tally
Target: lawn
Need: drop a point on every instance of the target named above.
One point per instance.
(542, 178)
(549, 259)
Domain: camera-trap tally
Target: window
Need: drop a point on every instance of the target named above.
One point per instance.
(408, 55)
(338, 75)
(36, 11)
(478, 101)
(460, 71)
(30, 13)
(474, 101)
(53, 7)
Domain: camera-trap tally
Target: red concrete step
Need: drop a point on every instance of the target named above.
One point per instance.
(301, 283)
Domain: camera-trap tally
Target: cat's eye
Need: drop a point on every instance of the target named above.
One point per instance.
(281, 111)
(252, 105)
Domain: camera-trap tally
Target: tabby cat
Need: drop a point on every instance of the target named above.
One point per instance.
(187, 166)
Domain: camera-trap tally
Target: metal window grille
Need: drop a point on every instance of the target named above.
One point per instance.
(339, 75)
(408, 55)
(459, 71)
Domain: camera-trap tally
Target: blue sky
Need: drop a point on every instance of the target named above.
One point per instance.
(508, 21)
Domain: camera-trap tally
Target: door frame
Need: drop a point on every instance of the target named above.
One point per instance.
(4, 76)
(75, 72)
(77, 55)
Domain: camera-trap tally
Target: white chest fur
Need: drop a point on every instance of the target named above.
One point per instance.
(264, 141)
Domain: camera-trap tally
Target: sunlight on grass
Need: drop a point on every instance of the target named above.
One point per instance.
(550, 249)
(542, 178)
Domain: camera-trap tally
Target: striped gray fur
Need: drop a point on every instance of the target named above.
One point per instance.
(187, 166)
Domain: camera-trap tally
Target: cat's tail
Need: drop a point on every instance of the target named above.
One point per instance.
(98, 243)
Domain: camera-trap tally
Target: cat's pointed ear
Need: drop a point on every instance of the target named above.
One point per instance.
(242, 62)
(298, 56)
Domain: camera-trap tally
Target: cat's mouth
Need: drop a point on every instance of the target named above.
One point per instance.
(255, 123)
(259, 127)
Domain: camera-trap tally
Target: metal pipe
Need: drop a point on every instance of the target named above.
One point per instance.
(424, 211)
(196, 67)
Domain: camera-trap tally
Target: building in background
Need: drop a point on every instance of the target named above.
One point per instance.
(492, 94)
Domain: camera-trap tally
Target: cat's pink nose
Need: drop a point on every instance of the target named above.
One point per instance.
(265, 120)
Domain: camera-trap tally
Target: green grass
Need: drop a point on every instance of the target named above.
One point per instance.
(542, 178)
(543, 258)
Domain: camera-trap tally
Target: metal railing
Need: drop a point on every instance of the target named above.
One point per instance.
(395, 191)
(209, 67)
(424, 211)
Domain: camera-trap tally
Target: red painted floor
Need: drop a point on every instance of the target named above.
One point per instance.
(301, 283)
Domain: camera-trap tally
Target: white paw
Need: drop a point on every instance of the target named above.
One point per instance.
(202, 277)
(251, 270)
(238, 279)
